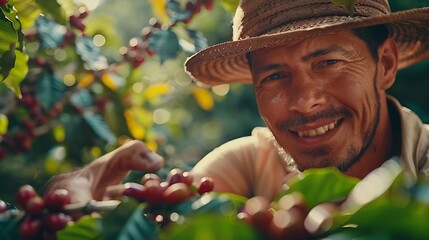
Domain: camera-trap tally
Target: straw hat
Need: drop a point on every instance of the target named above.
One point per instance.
(267, 23)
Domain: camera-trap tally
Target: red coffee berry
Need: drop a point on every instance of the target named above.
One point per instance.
(136, 191)
(76, 22)
(206, 185)
(56, 199)
(3, 2)
(3, 153)
(188, 178)
(30, 227)
(149, 176)
(35, 206)
(154, 192)
(25, 193)
(3, 206)
(56, 221)
(176, 193)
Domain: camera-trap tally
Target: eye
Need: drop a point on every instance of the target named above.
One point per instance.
(329, 62)
(276, 76)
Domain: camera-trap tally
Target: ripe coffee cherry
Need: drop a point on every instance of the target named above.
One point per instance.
(177, 192)
(25, 193)
(149, 176)
(35, 206)
(136, 191)
(206, 185)
(56, 221)
(154, 192)
(30, 228)
(257, 207)
(288, 224)
(3, 206)
(3, 2)
(56, 199)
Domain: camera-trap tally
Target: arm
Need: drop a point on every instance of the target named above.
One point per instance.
(91, 181)
(231, 166)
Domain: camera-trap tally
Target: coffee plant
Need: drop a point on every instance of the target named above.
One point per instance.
(65, 99)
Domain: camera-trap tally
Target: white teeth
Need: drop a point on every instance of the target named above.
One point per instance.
(318, 131)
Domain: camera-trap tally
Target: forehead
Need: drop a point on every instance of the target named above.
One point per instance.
(346, 39)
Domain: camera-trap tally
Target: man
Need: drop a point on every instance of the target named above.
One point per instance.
(320, 77)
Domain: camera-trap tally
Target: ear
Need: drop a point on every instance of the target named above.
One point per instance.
(387, 63)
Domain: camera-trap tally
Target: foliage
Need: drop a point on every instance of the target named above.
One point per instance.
(73, 90)
(362, 211)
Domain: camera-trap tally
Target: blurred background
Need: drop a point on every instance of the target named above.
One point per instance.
(116, 73)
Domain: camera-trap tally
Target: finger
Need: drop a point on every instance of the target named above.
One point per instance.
(114, 192)
(135, 155)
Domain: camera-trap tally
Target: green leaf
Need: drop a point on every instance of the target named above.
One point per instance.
(53, 8)
(18, 73)
(230, 5)
(165, 43)
(175, 11)
(87, 227)
(209, 227)
(49, 90)
(82, 98)
(128, 221)
(224, 204)
(4, 123)
(7, 62)
(99, 126)
(350, 5)
(322, 185)
(28, 11)
(90, 54)
(9, 35)
(200, 42)
(396, 216)
(9, 227)
(50, 33)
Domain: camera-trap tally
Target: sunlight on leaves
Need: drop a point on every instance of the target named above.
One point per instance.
(159, 9)
(4, 122)
(157, 90)
(136, 129)
(86, 80)
(204, 98)
(109, 82)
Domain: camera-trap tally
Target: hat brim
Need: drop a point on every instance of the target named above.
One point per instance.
(226, 62)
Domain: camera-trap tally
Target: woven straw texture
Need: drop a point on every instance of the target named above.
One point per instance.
(267, 23)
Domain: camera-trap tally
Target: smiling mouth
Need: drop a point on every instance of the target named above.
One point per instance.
(316, 131)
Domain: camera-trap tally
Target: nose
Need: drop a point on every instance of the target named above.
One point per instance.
(306, 94)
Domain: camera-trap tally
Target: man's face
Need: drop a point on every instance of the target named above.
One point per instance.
(319, 97)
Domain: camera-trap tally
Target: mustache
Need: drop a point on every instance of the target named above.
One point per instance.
(297, 120)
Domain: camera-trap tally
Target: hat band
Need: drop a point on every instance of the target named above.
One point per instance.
(274, 14)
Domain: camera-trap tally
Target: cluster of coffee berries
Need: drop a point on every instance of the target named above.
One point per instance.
(3, 2)
(3, 206)
(43, 216)
(177, 187)
(20, 139)
(138, 49)
(281, 220)
(194, 7)
(76, 19)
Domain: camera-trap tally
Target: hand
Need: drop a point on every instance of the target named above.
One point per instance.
(91, 181)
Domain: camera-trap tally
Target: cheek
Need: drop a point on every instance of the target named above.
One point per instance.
(271, 103)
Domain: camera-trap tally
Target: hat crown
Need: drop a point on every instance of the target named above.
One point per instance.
(257, 17)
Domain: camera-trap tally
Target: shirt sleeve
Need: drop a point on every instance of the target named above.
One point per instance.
(247, 166)
(230, 166)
